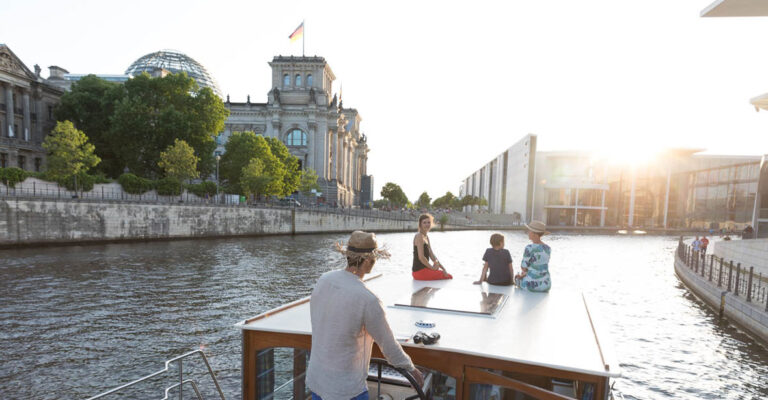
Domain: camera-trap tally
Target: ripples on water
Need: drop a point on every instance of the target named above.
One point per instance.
(77, 321)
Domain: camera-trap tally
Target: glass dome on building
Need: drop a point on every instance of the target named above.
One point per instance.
(175, 62)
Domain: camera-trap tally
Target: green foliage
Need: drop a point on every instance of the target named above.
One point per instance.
(90, 104)
(445, 201)
(168, 186)
(202, 188)
(253, 180)
(135, 185)
(11, 176)
(380, 203)
(69, 153)
(292, 175)
(470, 200)
(134, 122)
(443, 220)
(179, 161)
(308, 182)
(424, 201)
(241, 148)
(394, 194)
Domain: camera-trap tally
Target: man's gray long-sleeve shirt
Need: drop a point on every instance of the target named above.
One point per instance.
(346, 319)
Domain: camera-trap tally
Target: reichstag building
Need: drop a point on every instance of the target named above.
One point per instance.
(301, 110)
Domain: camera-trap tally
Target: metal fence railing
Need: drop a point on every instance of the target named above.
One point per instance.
(726, 274)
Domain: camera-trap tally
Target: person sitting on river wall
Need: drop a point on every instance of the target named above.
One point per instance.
(499, 261)
(346, 319)
(535, 265)
(422, 270)
(748, 232)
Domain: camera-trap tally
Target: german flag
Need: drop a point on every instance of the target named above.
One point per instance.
(298, 33)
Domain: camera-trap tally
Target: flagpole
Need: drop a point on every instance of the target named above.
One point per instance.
(303, 34)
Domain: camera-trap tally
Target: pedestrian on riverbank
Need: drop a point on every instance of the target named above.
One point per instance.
(535, 264)
(422, 270)
(696, 244)
(346, 319)
(498, 260)
(704, 242)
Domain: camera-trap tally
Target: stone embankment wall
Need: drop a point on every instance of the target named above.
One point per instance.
(752, 316)
(41, 221)
(750, 253)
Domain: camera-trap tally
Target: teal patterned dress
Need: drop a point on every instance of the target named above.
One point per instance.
(536, 260)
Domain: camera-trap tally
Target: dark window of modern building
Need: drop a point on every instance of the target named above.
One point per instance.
(286, 80)
(297, 137)
(298, 80)
(22, 160)
(3, 160)
(309, 80)
(38, 162)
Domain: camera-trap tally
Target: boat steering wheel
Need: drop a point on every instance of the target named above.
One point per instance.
(421, 393)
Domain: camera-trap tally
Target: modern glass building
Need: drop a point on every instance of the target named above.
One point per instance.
(677, 189)
(174, 62)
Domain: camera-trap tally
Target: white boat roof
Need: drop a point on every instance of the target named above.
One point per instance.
(555, 329)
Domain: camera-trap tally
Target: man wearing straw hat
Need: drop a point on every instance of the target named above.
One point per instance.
(346, 319)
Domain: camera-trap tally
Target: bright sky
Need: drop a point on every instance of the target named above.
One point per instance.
(443, 87)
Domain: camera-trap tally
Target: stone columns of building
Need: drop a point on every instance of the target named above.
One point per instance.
(312, 145)
(9, 115)
(340, 156)
(334, 155)
(347, 162)
(25, 130)
(38, 101)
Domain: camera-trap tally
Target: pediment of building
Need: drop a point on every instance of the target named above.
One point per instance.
(11, 64)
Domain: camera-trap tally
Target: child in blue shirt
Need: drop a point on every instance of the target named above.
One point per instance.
(499, 262)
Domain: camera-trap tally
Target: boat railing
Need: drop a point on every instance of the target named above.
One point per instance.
(179, 360)
(726, 274)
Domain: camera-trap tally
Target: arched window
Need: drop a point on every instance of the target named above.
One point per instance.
(286, 80)
(297, 137)
(309, 80)
(298, 80)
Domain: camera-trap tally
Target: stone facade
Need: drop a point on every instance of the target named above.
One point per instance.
(46, 221)
(26, 113)
(303, 113)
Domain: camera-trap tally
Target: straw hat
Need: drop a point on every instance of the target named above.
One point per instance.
(362, 244)
(538, 227)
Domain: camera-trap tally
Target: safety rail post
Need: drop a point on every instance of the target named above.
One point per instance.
(720, 274)
(749, 285)
(181, 381)
(730, 274)
(711, 262)
(736, 283)
(696, 261)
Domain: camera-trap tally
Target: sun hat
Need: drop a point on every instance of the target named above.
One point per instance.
(537, 227)
(364, 245)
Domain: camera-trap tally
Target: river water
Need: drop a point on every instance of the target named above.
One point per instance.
(77, 321)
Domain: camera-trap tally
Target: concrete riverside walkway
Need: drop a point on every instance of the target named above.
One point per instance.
(725, 286)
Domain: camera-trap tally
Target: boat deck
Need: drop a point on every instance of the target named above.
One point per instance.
(554, 330)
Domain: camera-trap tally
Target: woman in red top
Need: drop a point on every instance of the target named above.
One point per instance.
(422, 270)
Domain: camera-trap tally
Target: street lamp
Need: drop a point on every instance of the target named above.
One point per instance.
(218, 158)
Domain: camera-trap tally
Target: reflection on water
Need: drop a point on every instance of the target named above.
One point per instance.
(80, 320)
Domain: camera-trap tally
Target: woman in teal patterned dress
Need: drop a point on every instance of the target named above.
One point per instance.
(535, 266)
